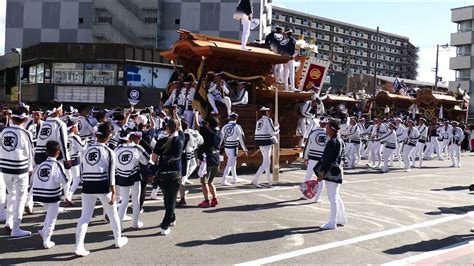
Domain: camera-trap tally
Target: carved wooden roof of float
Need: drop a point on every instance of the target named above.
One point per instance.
(338, 98)
(205, 45)
(385, 97)
(427, 97)
(222, 54)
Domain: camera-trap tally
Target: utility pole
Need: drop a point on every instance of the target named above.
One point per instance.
(376, 61)
(276, 147)
(436, 68)
(444, 46)
(19, 51)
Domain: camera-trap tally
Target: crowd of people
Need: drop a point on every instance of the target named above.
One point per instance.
(114, 154)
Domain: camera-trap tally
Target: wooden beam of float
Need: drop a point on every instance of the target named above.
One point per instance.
(222, 55)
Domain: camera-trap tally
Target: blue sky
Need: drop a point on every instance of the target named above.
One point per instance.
(425, 22)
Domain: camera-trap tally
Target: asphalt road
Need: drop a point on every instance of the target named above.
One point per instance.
(423, 216)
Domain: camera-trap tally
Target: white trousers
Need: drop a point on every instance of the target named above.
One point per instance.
(337, 213)
(289, 75)
(88, 204)
(75, 177)
(387, 154)
(245, 30)
(375, 157)
(321, 186)
(418, 151)
(188, 116)
(225, 100)
(125, 195)
(434, 147)
(17, 187)
(351, 152)
(231, 165)
(3, 198)
(398, 151)
(191, 166)
(443, 147)
(310, 169)
(49, 223)
(265, 167)
(301, 127)
(278, 72)
(455, 154)
(358, 152)
(366, 150)
(407, 151)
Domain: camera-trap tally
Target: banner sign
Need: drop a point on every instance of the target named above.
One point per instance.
(134, 95)
(314, 76)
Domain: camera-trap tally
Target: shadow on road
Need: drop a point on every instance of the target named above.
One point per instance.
(34, 242)
(429, 245)
(452, 210)
(251, 237)
(454, 188)
(258, 207)
(362, 172)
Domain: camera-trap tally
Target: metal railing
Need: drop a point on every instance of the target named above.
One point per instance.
(133, 8)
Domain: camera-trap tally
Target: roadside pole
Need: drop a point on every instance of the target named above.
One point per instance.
(276, 147)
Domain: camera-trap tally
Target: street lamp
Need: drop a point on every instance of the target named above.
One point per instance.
(19, 52)
(444, 46)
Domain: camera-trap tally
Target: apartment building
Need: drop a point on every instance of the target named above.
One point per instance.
(352, 48)
(463, 63)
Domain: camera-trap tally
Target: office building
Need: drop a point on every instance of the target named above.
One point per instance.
(463, 63)
(352, 48)
(30, 22)
(148, 23)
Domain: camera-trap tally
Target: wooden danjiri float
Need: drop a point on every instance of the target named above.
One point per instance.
(201, 55)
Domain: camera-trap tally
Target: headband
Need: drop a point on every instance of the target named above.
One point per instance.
(73, 125)
(127, 137)
(22, 116)
(56, 109)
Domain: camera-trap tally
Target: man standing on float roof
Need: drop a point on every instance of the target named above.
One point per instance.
(244, 13)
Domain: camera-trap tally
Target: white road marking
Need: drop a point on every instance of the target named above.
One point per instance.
(250, 191)
(314, 249)
(413, 259)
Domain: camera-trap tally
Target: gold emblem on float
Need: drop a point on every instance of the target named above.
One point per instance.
(315, 74)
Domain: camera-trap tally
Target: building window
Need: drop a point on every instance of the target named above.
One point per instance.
(68, 73)
(151, 20)
(464, 74)
(463, 50)
(79, 94)
(465, 26)
(100, 74)
(81, 20)
(104, 20)
(40, 73)
(177, 21)
(32, 75)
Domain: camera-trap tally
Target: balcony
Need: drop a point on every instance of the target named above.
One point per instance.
(461, 38)
(462, 62)
(466, 84)
(462, 14)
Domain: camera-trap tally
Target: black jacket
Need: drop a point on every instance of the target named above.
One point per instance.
(332, 154)
(245, 6)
